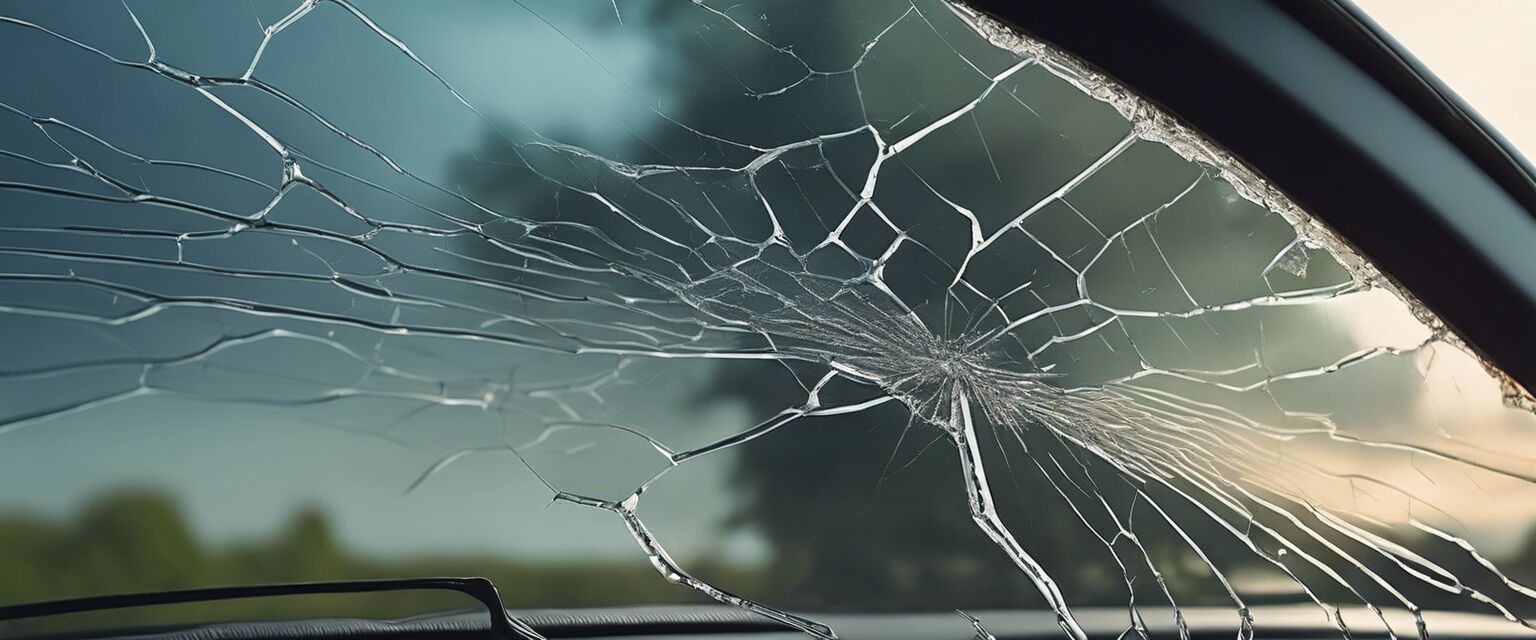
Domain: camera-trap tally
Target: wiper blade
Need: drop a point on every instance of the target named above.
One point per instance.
(503, 624)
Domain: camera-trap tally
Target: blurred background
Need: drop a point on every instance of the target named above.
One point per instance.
(285, 459)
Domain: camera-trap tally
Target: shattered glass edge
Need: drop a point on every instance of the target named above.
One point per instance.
(1151, 123)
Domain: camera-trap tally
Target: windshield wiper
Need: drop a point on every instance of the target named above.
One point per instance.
(503, 624)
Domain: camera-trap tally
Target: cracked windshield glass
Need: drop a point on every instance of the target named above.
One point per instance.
(808, 307)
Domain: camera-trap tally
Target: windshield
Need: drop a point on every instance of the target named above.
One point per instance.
(871, 306)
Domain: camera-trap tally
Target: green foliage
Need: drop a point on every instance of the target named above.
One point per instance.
(139, 540)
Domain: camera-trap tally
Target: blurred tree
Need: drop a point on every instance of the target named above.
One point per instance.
(839, 538)
(133, 539)
(138, 539)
